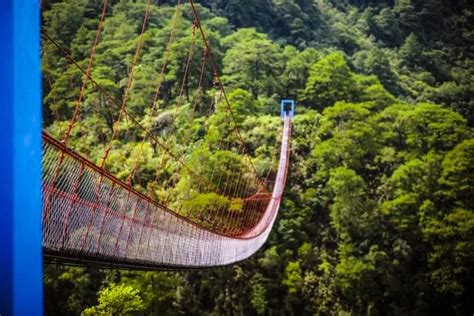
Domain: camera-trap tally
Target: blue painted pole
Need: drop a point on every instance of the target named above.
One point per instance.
(20, 159)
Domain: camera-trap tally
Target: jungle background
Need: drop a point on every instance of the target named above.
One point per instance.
(378, 216)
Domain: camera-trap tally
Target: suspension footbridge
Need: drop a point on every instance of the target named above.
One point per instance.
(91, 216)
(70, 203)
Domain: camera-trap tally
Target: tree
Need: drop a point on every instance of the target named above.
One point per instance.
(117, 300)
(259, 301)
(252, 62)
(455, 95)
(457, 178)
(329, 80)
(296, 70)
(293, 278)
(348, 139)
(63, 20)
(430, 14)
(350, 207)
(407, 15)
(411, 52)
(69, 289)
(431, 127)
(387, 28)
(157, 289)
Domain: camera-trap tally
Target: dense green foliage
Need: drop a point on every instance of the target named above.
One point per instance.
(378, 216)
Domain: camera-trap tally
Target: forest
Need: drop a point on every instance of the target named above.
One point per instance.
(378, 213)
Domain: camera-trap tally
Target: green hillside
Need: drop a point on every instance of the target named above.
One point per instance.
(378, 215)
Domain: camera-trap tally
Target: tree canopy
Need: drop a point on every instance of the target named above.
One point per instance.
(378, 214)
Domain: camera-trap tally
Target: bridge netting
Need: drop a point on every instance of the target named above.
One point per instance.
(207, 213)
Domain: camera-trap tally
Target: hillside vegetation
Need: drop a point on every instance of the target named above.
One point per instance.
(378, 215)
